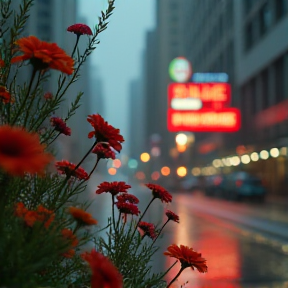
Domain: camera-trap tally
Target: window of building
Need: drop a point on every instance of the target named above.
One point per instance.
(248, 5)
(265, 16)
(279, 80)
(281, 8)
(248, 36)
(265, 88)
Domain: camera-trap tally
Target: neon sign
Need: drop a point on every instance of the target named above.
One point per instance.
(210, 77)
(204, 120)
(180, 69)
(208, 93)
(201, 105)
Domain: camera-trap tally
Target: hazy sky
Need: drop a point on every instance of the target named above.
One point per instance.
(119, 55)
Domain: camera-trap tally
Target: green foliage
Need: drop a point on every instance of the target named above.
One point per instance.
(38, 234)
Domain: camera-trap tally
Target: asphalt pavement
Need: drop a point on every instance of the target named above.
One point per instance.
(267, 221)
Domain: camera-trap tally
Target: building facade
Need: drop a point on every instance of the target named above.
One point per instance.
(247, 40)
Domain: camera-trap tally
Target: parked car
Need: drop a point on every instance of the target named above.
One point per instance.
(190, 184)
(241, 185)
(214, 185)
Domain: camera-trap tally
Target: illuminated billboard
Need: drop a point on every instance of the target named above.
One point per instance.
(207, 93)
(204, 120)
(201, 106)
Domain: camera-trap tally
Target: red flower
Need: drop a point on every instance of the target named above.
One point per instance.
(5, 95)
(147, 229)
(81, 216)
(188, 257)
(72, 241)
(43, 55)
(21, 151)
(20, 209)
(44, 215)
(128, 208)
(48, 96)
(60, 125)
(2, 63)
(103, 151)
(105, 132)
(159, 192)
(65, 167)
(30, 217)
(125, 197)
(172, 216)
(104, 273)
(80, 29)
(113, 187)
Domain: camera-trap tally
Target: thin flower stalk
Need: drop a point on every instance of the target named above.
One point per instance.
(158, 234)
(25, 98)
(177, 275)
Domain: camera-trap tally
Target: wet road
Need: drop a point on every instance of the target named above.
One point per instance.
(237, 256)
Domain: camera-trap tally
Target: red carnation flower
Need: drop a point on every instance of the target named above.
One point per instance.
(113, 187)
(105, 132)
(103, 151)
(104, 273)
(80, 29)
(147, 229)
(48, 96)
(125, 197)
(128, 208)
(172, 216)
(65, 167)
(159, 192)
(188, 257)
(5, 96)
(60, 126)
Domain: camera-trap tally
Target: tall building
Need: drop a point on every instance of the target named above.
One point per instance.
(247, 40)
(136, 135)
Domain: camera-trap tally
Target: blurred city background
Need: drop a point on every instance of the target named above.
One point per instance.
(229, 186)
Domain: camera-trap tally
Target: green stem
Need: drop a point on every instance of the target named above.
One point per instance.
(113, 213)
(178, 274)
(160, 232)
(76, 44)
(85, 156)
(54, 139)
(32, 99)
(98, 159)
(26, 97)
(141, 217)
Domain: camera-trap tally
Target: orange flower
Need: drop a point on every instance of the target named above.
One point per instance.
(30, 217)
(5, 95)
(45, 215)
(188, 257)
(81, 216)
(21, 151)
(43, 55)
(20, 209)
(104, 273)
(72, 240)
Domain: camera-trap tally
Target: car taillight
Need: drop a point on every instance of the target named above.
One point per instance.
(239, 183)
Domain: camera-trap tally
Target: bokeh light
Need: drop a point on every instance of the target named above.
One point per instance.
(155, 175)
(165, 171)
(112, 171)
(145, 157)
(181, 171)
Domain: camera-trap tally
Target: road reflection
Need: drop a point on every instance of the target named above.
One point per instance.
(234, 261)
